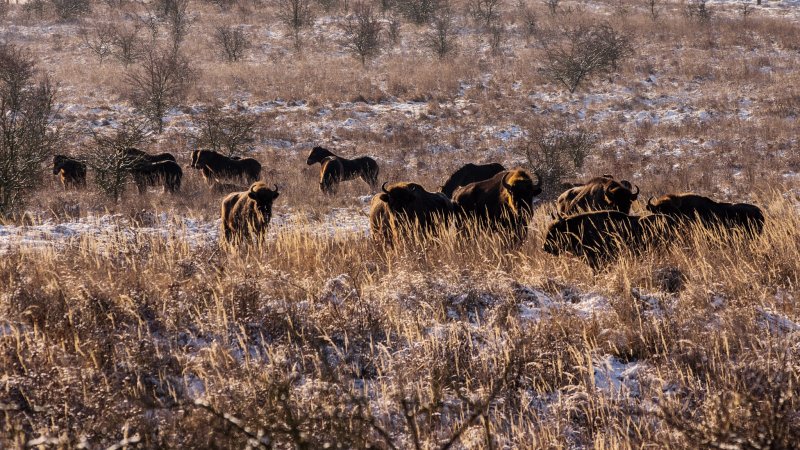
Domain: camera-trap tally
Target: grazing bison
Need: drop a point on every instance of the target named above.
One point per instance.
(216, 166)
(502, 203)
(406, 209)
(336, 169)
(708, 212)
(599, 193)
(248, 213)
(167, 173)
(140, 157)
(470, 173)
(72, 171)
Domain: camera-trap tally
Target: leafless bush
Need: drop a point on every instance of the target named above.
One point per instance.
(98, 39)
(159, 83)
(28, 137)
(225, 131)
(654, 7)
(393, 31)
(362, 32)
(127, 48)
(556, 151)
(108, 157)
(71, 9)
(296, 15)
(698, 10)
(574, 54)
(497, 35)
(233, 42)
(484, 12)
(442, 32)
(528, 18)
(420, 11)
(178, 21)
(552, 5)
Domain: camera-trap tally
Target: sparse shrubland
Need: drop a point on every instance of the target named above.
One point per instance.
(124, 322)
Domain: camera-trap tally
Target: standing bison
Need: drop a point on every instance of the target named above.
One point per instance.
(136, 156)
(503, 203)
(470, 173)
(335, 169)
(597, 194)
(246, 214)
(709, 213)
(166, 173)
(216, 166)
(72, 172)
(407, 210)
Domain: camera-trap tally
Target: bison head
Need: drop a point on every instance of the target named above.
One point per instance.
(317, 155)
(622, 195)
(400, 196)
(263, 196)
(58, 161)
(555, 236)
(664, 205)
(521, 188)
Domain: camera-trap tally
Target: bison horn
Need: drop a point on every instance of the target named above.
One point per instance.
(383, 187)
(538, 179)
(505, 184)
(276, 188)
(637, 190)
(650, 201)
(253, 188)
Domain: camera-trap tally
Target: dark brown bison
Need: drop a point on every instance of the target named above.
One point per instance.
(166, 173)
(216, 166)
(502, 203)
(71, 171)
(246, 214)
(137, 156)
(709, 213)
(405, 210)
(470, 173)
(600, 236)
(597, 194)
(336, 169)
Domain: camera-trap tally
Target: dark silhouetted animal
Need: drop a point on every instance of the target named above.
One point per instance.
(470, 173)
(216, 166)
(167, 173)
(598, 194)
(709, 213)
(336, 169)
(138, 156)
(72, 172)
(406, 210)
(501, 203)
(247, 214)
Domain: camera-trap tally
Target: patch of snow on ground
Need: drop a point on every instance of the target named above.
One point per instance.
(614, 376)
(777, 322)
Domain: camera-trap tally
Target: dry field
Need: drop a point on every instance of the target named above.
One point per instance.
(128, 325)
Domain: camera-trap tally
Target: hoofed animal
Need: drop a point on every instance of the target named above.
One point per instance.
(72, 172)
(503, 203)
(216, 166)
(167, 173)
(598, 194)
(470, 173)
(138, 156)
(405, 210)
(247, 214)
(709, 213)
(335, 169)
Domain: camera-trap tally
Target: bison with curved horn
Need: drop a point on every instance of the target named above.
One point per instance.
(71, 171)
(597, 194)
(335, 169)
(470, 173)
(709, 213)
(406, 210)
(502, 203)
(166, 173)
(247, 214)
(216, 166)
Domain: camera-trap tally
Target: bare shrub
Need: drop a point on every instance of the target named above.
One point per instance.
(552, 5)
(420, 11)
(442, 32)
(98, 39)
(233, 42)
(393, 30)
(497, 35)
(127, 46)
(556, 151)
(698, 10)
(574, 54)
(362, 32)
(178, 21)
(225, 131)
(28, 138)
(654, 8)
(484, 12)
(159, 82)
(108, 157)
(296, 15)
(71, 9)
(528, 18)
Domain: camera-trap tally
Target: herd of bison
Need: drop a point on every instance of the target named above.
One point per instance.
(592, 221)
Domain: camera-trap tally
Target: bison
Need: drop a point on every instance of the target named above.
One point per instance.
(470, 173)
(501, 203)
(72, 171)
(335, 169)
(599, 193)
(216, 166)
(246, 214)
(139, 157)
(709, 213)
(407, 208)
(167, 173)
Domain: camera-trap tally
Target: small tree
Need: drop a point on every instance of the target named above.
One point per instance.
(178, 21)
(109, 159)
(127, 48)
(441, 36)
(699, 10)
(484, 12)
(420, 11)
(654, 7)
(159, 83)
(98, 39)
(552, 5)
(27, 135)
(362, 31)
(296, 15)
(232, 42)
(225, 131)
